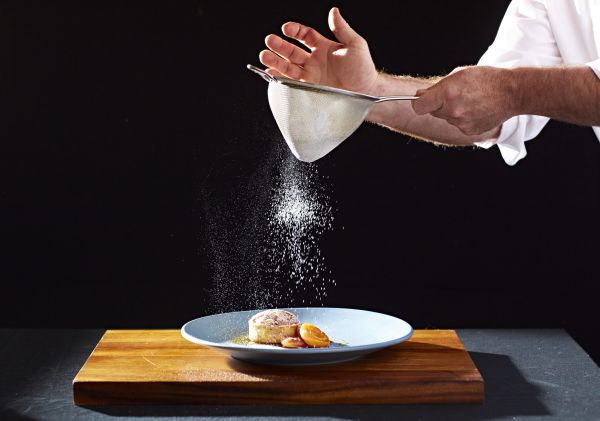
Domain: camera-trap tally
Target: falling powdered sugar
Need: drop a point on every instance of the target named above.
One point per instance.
(293, 208)
(301, 212)
(265, 238)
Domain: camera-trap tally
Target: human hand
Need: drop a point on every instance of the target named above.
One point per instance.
(346, 64)
(474, 99)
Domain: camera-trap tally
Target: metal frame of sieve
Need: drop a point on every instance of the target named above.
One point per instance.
(323, 88)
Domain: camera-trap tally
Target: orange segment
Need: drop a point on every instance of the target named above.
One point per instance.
(313, 336)
(293, 342)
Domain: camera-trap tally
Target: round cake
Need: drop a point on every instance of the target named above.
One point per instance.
(272, 326)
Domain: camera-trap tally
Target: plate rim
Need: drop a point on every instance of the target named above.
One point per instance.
(301, 351)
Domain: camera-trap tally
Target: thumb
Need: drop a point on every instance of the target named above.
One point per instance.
(340, 28)
(428, 102)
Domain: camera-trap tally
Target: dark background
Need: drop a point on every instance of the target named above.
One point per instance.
(136, 150)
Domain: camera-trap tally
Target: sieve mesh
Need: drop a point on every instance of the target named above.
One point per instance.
(314, 122)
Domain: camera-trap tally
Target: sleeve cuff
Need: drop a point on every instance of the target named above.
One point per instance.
(514, 133)
(595, 66)
(512, 147)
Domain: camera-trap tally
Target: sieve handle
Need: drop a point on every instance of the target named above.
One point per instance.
(395, 98)
(261, 73)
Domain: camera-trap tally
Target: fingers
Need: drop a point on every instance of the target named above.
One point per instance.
(305, 34)
(435, 101)
(340, 28)
(429, 101)
(273, 72)
(285, 58)
(278, 64)
(287, 50)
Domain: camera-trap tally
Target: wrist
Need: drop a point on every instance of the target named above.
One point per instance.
(376, 87)
(511, 79)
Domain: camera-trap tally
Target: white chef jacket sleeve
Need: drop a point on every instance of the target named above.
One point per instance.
(524, 38)
(595, 66)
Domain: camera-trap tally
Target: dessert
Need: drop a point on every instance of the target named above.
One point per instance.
(272, 326)
(280, 327)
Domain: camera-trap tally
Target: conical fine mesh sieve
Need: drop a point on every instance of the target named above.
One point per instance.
(314, 119)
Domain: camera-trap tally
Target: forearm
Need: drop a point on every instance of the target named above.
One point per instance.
(569, 94)
(400, 116)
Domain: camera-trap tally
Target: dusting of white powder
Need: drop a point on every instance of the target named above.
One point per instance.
(265, 240)
(301, 212)
(294, 208)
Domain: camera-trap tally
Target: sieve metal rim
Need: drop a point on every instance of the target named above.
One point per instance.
(311, 86)
(323, 88)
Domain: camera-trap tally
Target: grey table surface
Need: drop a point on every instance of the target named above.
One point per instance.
(529, 374)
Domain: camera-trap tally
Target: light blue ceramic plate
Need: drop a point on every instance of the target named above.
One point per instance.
(354, 332)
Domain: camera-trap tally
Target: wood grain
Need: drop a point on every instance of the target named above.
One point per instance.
(160, 367)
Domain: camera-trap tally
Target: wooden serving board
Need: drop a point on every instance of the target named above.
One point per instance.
(160, 367)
